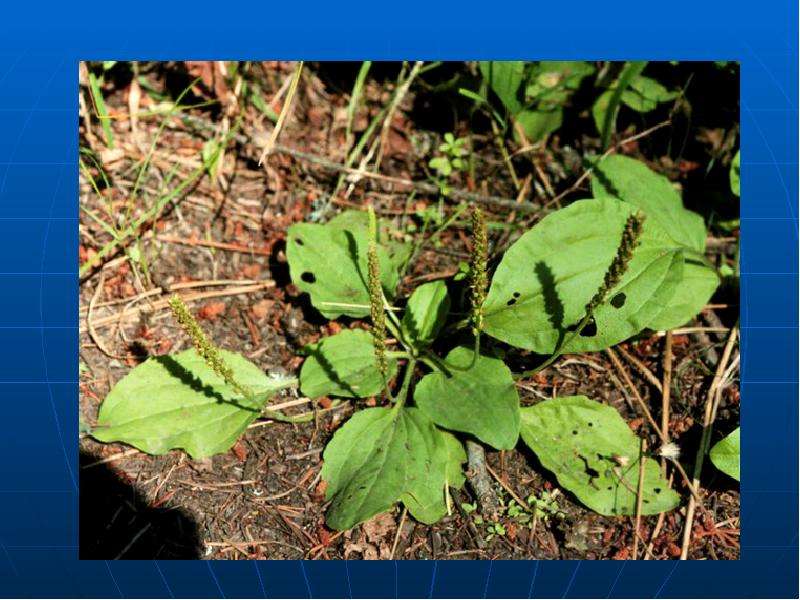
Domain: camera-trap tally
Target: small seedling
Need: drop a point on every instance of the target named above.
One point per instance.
(451, 159)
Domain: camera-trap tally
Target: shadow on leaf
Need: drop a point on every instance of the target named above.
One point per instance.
(188, 378)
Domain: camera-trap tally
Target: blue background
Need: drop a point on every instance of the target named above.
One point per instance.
(39, 53)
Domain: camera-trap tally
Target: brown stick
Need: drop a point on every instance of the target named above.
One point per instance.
(480, 481)
(639, 498)
(665, 392)
(641, 367)
(664, 439)
(212, 244)
(712, 399)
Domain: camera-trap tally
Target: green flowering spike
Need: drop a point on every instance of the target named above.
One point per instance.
(616, 270)
(204, 346)
(376, 298)
(479, 281)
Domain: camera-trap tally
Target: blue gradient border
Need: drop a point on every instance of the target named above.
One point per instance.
(38, 270)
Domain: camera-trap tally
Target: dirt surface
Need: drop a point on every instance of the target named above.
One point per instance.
(220, 244)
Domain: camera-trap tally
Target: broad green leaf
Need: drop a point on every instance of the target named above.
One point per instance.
(482, 400)
(698, 284)
(544, 281)
(645, 94)
(379, 455)
(343, 365)
(594, 454)
(634, 182)
(725, 454)
(539, 123)
(426, 501)
(552, 82)
(330, 264)
(426, 312)
(399, 251)
(505, 79)
(568, 73)
(735, 166)
(177, 401)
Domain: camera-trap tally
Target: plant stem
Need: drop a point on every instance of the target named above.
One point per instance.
(567, 339)
(403, 393)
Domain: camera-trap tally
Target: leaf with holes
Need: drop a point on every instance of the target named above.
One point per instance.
(177, 401)
(544, 281)
(343, 365)
(376, 458)
(595, 455)
(426, 501)
(330, 264)
(725, 454)
(481, 400)
(632, 181)
(426, 312)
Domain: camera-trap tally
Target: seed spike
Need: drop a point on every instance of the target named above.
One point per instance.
(479, 281)
(616, 270)
(205, 348)
(376, 298)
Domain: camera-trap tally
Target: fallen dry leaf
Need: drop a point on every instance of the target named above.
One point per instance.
(211, 311)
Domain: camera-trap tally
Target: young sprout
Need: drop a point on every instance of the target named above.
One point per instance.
(205, 348)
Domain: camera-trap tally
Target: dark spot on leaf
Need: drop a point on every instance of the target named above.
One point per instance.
(590, 330)
(646, 501)
(511, 302)
(308, 277)
(657, 490)
(590, 424)
(574, 432)
(298, 241)
(516, 294)
(618, 301)
(609, 488)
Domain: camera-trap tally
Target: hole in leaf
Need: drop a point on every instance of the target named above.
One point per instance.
(298, 241)
(308, 277)
(590, 330)
(618, 301)
(516, 294)
(511, 302)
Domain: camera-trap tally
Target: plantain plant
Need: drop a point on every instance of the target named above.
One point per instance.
(584, 278)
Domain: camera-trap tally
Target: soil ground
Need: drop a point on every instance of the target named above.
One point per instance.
(221, 243)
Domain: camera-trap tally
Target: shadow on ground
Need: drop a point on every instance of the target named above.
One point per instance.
(117, 522)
